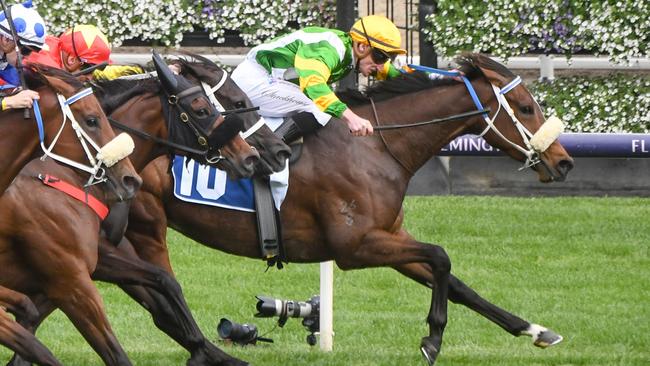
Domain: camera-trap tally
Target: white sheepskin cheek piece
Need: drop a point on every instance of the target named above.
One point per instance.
(549, 132)
(117, 149)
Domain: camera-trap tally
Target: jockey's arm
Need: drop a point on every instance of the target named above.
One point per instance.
(313, 75)
(111, 72)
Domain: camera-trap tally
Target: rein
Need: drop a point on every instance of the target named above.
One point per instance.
(383, 139)
(155, 139)
(417, 124)
(430, 122)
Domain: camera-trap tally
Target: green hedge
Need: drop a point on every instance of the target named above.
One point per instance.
(620, 29)
(615, 103)
(163, 22)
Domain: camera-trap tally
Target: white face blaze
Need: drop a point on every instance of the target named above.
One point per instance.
(115, 150)
(549, 132)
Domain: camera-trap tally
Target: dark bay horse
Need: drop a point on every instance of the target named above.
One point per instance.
(345, 194)
(40, 253)
(127, 271)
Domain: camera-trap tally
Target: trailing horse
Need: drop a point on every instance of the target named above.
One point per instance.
(40, 255)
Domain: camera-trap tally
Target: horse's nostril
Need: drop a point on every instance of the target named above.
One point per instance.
(131, 184)
(251, 160)
(565, 165)
(284, 155)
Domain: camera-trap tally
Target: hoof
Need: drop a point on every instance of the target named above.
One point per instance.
(429, 350)
(547, 338)
(211, 355)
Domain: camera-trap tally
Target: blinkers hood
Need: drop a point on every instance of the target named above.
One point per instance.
(165, 75)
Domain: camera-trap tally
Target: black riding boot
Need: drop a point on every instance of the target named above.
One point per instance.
(299, 125)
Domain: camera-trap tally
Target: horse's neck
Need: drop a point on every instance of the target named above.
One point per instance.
(412, 147)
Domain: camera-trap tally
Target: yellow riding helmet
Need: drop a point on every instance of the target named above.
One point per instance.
(381, 33)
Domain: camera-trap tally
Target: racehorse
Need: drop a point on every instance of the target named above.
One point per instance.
(131, 271)
(42, 255)
(200, 111)
(345, 193)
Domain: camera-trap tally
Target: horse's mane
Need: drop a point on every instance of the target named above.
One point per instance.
(468, 63)
(34, 76)
(113, 93)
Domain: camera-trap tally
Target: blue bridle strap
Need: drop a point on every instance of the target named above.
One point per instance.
(39, 118)
(470, 88)
(78, 96)
(508, 87)
(39, 121)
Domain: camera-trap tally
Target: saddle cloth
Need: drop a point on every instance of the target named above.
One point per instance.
(203, 184)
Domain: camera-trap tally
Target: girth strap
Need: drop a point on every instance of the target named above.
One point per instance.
(268, 229)
(96, 205)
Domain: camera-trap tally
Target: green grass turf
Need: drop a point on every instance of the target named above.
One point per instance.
(577, 265)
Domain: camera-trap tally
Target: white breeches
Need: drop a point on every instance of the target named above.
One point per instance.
(274, 96)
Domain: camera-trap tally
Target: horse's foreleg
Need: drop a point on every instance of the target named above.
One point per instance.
(460, 293)
(162, 297)
(381, 248)
(20, 306)
(78, 298)
(44, 308)
(21, 341)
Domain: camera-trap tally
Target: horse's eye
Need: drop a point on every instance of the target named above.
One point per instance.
(526, 109)
(203, 112)
(240, 104)
(92, 122)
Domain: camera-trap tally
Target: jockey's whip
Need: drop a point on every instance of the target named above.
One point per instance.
(19, 57)
(89, 70)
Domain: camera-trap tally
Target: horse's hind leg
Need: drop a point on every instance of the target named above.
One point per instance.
(162, 297)
(21, 341)
(381, 248)
(78, 298)
(460, 293)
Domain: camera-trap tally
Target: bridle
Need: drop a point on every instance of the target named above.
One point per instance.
(95, 169)
(531, 153)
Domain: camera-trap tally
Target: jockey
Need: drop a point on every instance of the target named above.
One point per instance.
(30, 30)
(291, 73)
(79, 48)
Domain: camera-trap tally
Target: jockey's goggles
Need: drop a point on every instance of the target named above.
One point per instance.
(380, 56)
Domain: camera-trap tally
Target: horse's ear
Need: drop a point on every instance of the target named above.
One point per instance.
(59, 86)
(494, 77)
(165, 75)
